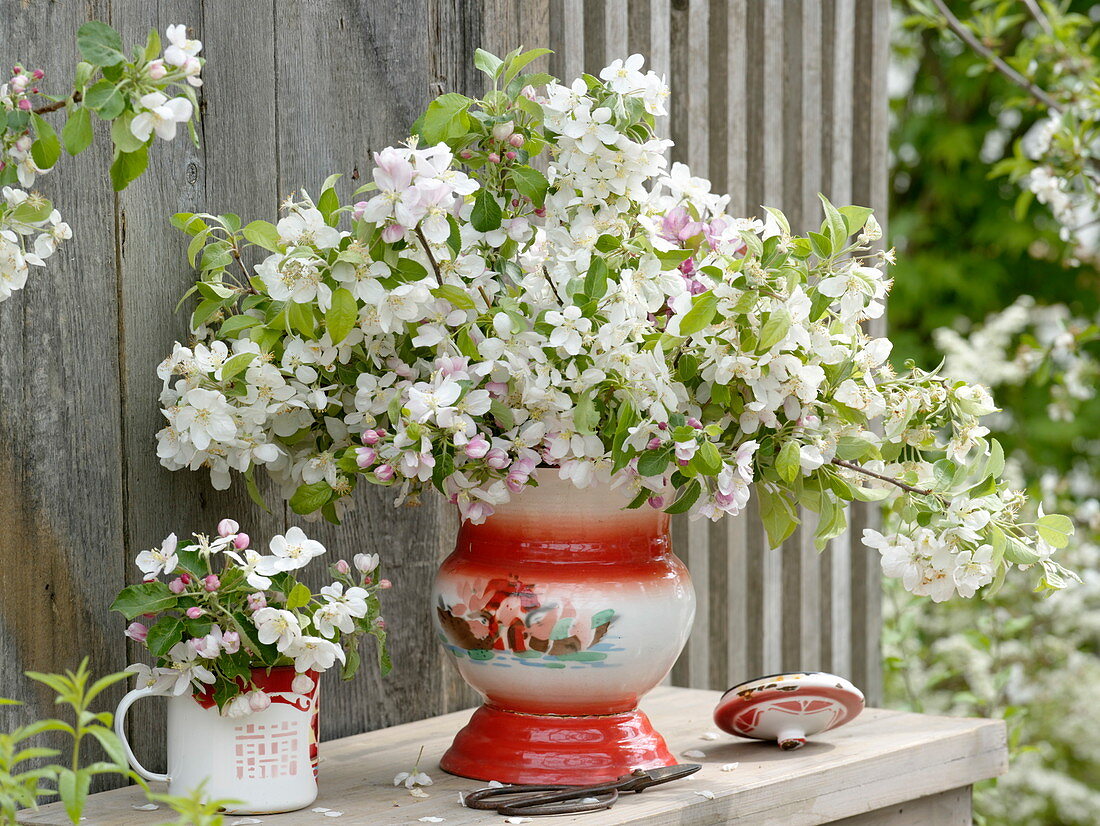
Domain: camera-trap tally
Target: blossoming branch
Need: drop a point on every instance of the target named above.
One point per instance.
(147, 94)
(473, 318)
(226, 608)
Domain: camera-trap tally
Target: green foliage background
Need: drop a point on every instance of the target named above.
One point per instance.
(969, 246)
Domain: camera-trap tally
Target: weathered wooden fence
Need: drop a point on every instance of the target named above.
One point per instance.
(775, 100)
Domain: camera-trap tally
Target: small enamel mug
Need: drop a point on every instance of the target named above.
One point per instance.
(266, 760)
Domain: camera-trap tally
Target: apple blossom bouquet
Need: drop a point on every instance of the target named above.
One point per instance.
(144, 96)
(475, 317)
(226, 609)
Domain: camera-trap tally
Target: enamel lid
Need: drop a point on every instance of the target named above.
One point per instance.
(788, 708)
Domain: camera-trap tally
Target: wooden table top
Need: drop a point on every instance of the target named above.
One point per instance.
(880, 759)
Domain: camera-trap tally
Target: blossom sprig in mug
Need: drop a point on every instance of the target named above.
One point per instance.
(212, 610)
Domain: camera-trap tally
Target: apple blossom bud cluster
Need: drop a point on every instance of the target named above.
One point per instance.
(227, 609)
(607, 321)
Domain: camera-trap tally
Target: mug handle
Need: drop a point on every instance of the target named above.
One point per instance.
(120, 726)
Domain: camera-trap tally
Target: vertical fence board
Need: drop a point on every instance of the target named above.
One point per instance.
(60, 453)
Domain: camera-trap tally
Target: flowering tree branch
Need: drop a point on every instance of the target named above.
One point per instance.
(75, 97)
(999, 64)
(882, 477)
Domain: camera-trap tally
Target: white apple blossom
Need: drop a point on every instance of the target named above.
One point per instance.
(160, 115)
(162, 560)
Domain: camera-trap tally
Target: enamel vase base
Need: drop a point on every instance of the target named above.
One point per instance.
(540, 749)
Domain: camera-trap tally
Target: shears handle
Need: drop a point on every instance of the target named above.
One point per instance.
(543, 800)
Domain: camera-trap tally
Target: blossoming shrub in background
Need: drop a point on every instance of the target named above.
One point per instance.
(228, 608)
(130, 92)
(478, 318)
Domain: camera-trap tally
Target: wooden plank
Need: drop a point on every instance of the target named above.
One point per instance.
(879, 761)
(61, 556)
(951, 808)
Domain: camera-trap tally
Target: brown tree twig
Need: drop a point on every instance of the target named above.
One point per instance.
(435, 265)
(999, 64)
(882, 477)
(76, 97)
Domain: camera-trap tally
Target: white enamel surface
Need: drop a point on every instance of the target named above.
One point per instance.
(261, 760)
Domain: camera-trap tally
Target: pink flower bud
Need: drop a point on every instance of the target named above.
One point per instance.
(258, 700)
(497, 459)
(516, 140)
(465, 154)
(25, 105)
(541, 212)
(194, 612)
(240, 541)
(186, 578)
(369, 437)
(342, 566)
(16, 70)
(231, 642)
(477, 447)
(381, 431)
(510, 155)
(381, 623)
(384, 472)
(656, 502)
(662, 425)
(358, 210)
(694, 422)
(211, 582)
(365, 456)
(38, 74)
(516, 482)
(493, 157)
(137, 631)
(654, 443)
(384, 584)
(177, 585)
(228, 527)
(156, 69)
(257, 601)
(302, 684)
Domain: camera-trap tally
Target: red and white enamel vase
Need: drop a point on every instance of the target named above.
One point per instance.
(562, 610)
(266, 761)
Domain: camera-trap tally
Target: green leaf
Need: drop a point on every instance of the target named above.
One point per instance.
(163, 635)
(1055, 529)
(99, 44)
(686, 499)
(310, 498)
(105, 99)
(456, 295)
(328, 203)
(235, 324)
(238, 364)
(486, 215)
(262, 234)
(519, 62)
(654, 462)
(788, 463)
(703, 308)
(585, 416)
(351, 663)
(144, 598)
(298, 597)
(488, 62)
(530, 183)
(73, 788)
(76, 134)
(775, 329)
(127, 167)
(341, 315)
(301, 318)
(834, 223)
(123, 137)
(855, 217)
(46, 148)
(707, 459)
(778, 514)
(595, 280)
(445, 118)
(1018, 553)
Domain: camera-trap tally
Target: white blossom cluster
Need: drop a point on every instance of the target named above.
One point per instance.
(608, 319)
(30, 231)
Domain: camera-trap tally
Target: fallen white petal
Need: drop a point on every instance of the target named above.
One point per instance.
(517, 820)
(728, 767)
(495, 784)
(245, 821)
(321, 810)
(334, 814)
(418, 793)
(431, 820)
(589, 800)
(462, 798)
(695, 753)
(709, 735)
(148, 807)
(707, 794)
